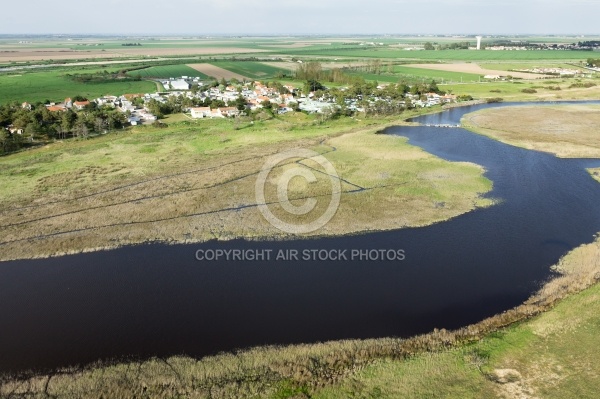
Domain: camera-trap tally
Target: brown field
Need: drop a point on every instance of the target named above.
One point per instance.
(188, 51)
(18, 55)
(465, 67)
(295, 45)
(217, 72)
(326, 65)
(44, 55)
(568, 131)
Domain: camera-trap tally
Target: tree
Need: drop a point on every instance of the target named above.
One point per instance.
(429, 46)
(240, 103)
(313, 85)
(81, 130)
(266, 104)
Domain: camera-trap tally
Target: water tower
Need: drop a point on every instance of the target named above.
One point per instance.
(478, 42)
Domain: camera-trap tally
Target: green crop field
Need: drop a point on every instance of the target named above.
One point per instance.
(256, 70)
(437, 75)
(55, 86)
(453, 55)
(168, 71)
(416, 75)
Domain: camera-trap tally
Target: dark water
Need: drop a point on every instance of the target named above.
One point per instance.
(158, 300)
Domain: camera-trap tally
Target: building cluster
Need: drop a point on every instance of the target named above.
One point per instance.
(136, 115)
(554, 71)
(255, 95)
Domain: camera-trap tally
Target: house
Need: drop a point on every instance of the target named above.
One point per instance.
(229, 111)
(216, 113)
(79, 105)
(56, 108)
(130, 97)
(134, 120)
(68, 102)
(179, 84)
(26, 106)
(13, 130)
(200, 112)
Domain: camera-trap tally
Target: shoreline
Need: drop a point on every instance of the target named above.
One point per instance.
(569, 282)
(348, 140)
(335, 360)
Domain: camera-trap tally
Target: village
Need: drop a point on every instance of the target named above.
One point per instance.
(239, 99)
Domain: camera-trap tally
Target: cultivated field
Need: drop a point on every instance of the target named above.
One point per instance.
(569, 131)
(471, 68)
(167, 71)
(21, 55)
(217, 72)
(256, 70)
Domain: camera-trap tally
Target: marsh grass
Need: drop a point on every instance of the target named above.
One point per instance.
(568, 131)
(196, 182)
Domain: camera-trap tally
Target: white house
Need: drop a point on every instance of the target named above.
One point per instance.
(179, 84)
(200, 112)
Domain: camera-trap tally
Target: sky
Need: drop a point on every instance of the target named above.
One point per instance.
(227, 17)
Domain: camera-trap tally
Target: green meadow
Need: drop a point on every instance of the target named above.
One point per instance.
(56, 86)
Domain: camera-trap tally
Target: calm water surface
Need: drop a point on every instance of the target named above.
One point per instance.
(158, 300)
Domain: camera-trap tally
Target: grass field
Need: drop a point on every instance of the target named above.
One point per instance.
(513, 91)
(437, 75)
(167, 71)
(412, 75)
(568, 131)
(551, 357)
(180, 170)
(55, 86)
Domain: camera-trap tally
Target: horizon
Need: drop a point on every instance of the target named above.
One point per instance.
(436, 17)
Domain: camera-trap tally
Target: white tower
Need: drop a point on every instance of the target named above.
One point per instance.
(478, 42)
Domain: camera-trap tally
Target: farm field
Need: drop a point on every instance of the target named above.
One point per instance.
(55, 86)
(167, 71)
(447, 55)
(474, 69)
(256, 70)
(217, 72)
(464, 76)
(508, 66)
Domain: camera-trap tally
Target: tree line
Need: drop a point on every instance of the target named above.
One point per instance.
(40, 125)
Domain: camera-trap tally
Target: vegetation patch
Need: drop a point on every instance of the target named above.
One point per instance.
(195, 181)
(569, 131)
